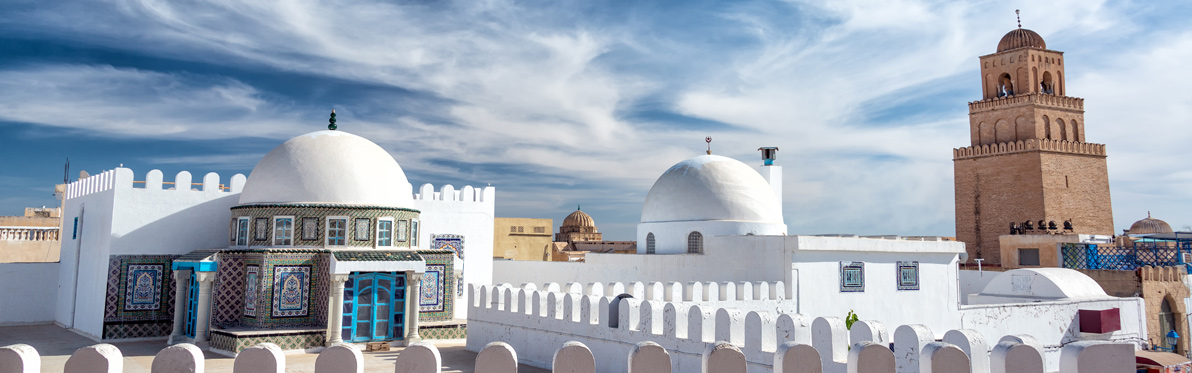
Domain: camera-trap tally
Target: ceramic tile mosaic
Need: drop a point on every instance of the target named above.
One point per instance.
(449, 242)
(908, 275)
(227, 297)
(363, 228)
(319, 213)
(143, 289)
(436, 303)
(287, 341)
(443, 332)
(291, 290)
(252, 282)
(261, 230)
(310, 229)
(139, 301)
(852, 277)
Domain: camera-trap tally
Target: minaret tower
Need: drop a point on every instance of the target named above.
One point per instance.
(1028, 159)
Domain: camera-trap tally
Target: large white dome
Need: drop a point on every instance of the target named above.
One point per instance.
(328, 167)
(711, 188)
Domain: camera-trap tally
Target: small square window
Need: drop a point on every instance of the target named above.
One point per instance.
(283, 231)
(908, 275)
(521, 229)
(363, 229)
(337, 231)
(385, 232)
(512, 229)
(539, 229)
(1028, 257)
(310, 229)
(262, 229)
(852, 277)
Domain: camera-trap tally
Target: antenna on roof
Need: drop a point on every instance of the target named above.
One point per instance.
(1019, 16)
(332, 125)
(709, 141)
(66, 172)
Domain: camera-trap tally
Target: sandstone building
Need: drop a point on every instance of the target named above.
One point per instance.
(1028, 160)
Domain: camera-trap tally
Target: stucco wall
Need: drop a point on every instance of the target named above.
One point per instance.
(29, 251)
(32, 301)
(524, 245)
(467, 212)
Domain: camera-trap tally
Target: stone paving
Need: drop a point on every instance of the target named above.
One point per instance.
(55, 345)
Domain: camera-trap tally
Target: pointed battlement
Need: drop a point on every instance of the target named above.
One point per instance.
(448, 193)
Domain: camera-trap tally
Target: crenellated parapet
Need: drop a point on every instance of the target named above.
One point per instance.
(1043, 99)
(1054, 146)
(535, 322)
(123, 178)
(448, 192)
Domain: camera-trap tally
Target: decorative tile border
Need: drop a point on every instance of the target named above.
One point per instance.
(222, 340)
(252, 287)
(319, 213)
(139, 301)
(437, 301)
(143, 287)
(852, 277)
(908, 275)
(444, 332)
(449, 242)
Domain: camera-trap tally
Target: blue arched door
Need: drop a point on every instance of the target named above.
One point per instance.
(375, 308)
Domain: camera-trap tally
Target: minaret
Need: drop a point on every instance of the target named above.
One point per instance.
(1028, 159)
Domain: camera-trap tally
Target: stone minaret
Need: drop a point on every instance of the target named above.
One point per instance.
(1028, 159)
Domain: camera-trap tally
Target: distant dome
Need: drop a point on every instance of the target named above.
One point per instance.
(579, 219)
(711, 188)
(1150, 226)
(1020, 38)
(1039, 284)
(328, 167)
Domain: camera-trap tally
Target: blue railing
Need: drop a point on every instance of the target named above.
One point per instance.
(1158, 254)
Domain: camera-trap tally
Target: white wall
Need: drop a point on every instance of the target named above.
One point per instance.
(972, 282)
(468, 212)
(28, 297)
(671, 237)
(817, 262)
(117, 218)
(725, 258)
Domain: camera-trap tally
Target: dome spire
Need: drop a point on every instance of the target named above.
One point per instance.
(709, 141)
(1019, 16)
(331, 125)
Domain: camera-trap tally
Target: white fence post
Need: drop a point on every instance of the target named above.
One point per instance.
(340, 358)
(497, 357)
(649, 357)
(102, 357)
(182, 357)
(262, 358)
(420, 357)
(574, 357)
(19, 358)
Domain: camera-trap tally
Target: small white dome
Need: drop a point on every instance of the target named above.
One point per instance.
(711, 188)
(1044, 283)
(328, 167)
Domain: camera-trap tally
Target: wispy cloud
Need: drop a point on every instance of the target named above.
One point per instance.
(577, 101)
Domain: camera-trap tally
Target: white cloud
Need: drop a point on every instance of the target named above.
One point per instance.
(543, 87)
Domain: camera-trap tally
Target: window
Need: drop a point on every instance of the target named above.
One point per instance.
(384, 232)
(337, 231)
(403, 230)
(1028, 257)
(283, 231)
(232, 231)
(242, 231)
(650, 243)
(695, 243)
(539, 229)
(74, 234)
(414, 233)
(512, 229)
(362, 232)
(852, 277)
(521, 229)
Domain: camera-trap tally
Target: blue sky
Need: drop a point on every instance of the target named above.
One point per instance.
(565, 103)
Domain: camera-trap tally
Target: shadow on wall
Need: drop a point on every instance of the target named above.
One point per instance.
(204, 225)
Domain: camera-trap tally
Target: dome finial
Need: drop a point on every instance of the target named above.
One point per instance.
(577, 207)
(332, 125)
(709, 141)
(1148, 214)
(1019, 16)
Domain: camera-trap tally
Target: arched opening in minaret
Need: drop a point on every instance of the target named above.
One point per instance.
(1063, 129)
(1005, 85)
(1048, 84)
(1047, 127)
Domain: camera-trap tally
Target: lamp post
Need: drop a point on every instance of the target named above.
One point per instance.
(1172, 338)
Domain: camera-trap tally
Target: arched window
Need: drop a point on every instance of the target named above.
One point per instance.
(1166, 323)
(695, 243)
(1047, 127)
(1005, 85)
(650, 243)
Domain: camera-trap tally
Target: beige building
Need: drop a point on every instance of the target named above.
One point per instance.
(32, 238)
(1028, 159)
(522, 238)
(578, 236)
